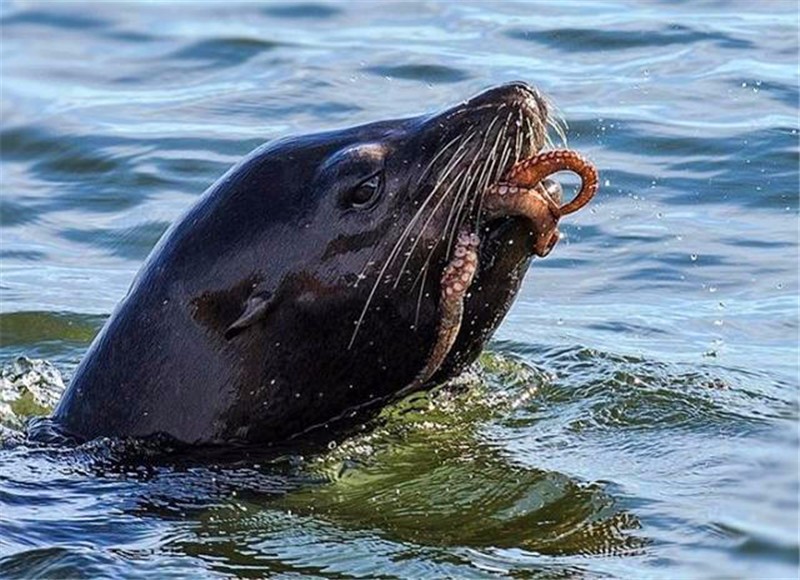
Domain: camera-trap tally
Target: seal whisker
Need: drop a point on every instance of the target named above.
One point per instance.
(560, 127)
(454, 216)
(476, 193)
(505, 156)
(486, 177)
(556, 120)
(452, 228)
(531, 136)
(461, 180)
(483, 182)
(424, 227)
(441, 152)
(454, 160)
(443, 197)
(424, 275)
(519, 136)
(432, 248)
(458, 202)
(448, 167)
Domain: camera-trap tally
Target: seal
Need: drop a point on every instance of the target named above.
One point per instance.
(327, 274)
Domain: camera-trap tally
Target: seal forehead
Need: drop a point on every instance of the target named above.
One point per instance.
(367, 150)
(360, 152)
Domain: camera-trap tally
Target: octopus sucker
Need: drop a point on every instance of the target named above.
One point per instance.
(456, 280)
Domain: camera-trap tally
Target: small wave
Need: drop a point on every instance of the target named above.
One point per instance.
(429, 73)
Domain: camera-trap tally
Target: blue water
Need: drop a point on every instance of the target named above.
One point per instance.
(635, 416)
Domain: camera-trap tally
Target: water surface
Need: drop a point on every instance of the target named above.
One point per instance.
(636, 414)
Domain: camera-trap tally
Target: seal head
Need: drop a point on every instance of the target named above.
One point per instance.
(304, 285)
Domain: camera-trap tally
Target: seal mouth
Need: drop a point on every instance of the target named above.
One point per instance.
(498, 152)
(490, 160)
(526, 191)
(507, 179)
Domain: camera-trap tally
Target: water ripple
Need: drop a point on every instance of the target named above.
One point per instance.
(588, 39)
(664, 446)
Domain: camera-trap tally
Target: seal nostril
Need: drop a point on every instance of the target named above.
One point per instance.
(516, 93)
(520, 87)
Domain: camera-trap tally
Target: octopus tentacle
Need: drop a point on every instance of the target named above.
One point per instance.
(530, 172)
(533, 203)
(505, 200)
(456, 280)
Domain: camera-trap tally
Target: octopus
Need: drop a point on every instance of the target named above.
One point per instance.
(520, 193)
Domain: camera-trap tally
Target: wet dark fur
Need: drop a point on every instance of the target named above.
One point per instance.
(273, 307)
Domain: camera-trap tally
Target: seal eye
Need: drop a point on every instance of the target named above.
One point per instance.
(365, 193)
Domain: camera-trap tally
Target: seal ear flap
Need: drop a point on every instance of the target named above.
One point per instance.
(256, 309)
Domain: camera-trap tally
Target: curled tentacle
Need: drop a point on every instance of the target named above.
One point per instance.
(530, 172)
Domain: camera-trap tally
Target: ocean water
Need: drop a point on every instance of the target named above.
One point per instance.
(636, 415)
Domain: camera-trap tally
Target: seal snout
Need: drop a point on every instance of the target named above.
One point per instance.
(515, 94)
